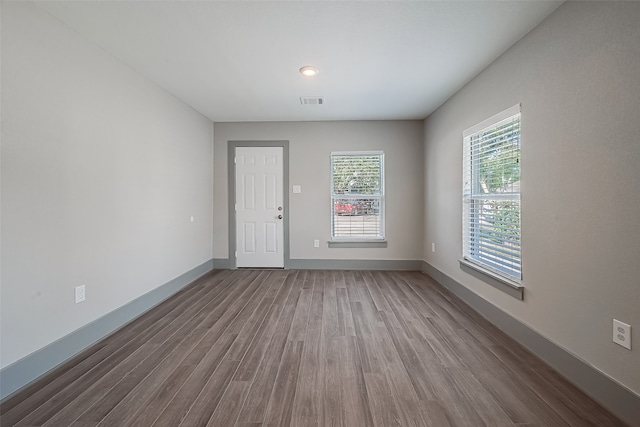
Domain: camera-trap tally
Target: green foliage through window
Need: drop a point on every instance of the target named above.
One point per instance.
(356, 174)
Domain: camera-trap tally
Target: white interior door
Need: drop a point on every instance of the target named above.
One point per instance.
(259, 207)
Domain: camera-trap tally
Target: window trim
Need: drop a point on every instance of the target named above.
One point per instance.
(359, 241)
(515, 289)
(500, 279)
(371, 243)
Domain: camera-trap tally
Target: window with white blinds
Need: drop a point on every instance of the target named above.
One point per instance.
(491, 194)
(357, 195)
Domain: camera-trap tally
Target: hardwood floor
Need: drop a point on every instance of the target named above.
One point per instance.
(306, 348)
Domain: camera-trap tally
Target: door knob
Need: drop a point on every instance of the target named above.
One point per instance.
(279, 216)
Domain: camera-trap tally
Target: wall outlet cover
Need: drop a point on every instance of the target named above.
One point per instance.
(80, 294)
(622, 334)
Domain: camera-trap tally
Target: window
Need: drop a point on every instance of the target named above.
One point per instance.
(357, 196)
(491, 195)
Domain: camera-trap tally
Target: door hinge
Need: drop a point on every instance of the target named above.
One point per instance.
(236, 254)
(235, 160)
(236, 206)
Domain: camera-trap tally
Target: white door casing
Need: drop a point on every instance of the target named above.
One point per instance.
(259, 207)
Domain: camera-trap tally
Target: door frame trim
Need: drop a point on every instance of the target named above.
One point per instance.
(231, 167)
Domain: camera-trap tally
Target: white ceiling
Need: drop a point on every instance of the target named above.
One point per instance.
(239, 60)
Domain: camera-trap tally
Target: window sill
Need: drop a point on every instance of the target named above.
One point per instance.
(357, 243)
(510, 287)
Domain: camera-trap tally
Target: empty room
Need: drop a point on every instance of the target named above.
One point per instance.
(319, 213)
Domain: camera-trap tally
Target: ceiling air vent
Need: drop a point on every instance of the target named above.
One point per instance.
(311, 100)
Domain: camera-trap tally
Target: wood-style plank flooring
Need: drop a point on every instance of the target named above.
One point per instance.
(306, 348)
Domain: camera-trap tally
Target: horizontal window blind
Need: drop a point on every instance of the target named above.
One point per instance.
(357, 191)
(491, 195)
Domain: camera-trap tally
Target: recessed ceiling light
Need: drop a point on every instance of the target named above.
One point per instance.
(309, 71)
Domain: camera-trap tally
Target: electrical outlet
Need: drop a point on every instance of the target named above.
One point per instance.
(622, 334)
(433, 247)
(316, 243)
(80, 294)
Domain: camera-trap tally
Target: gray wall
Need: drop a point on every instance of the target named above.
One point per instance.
(101, 171)
(310, 146)
(577, 77)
